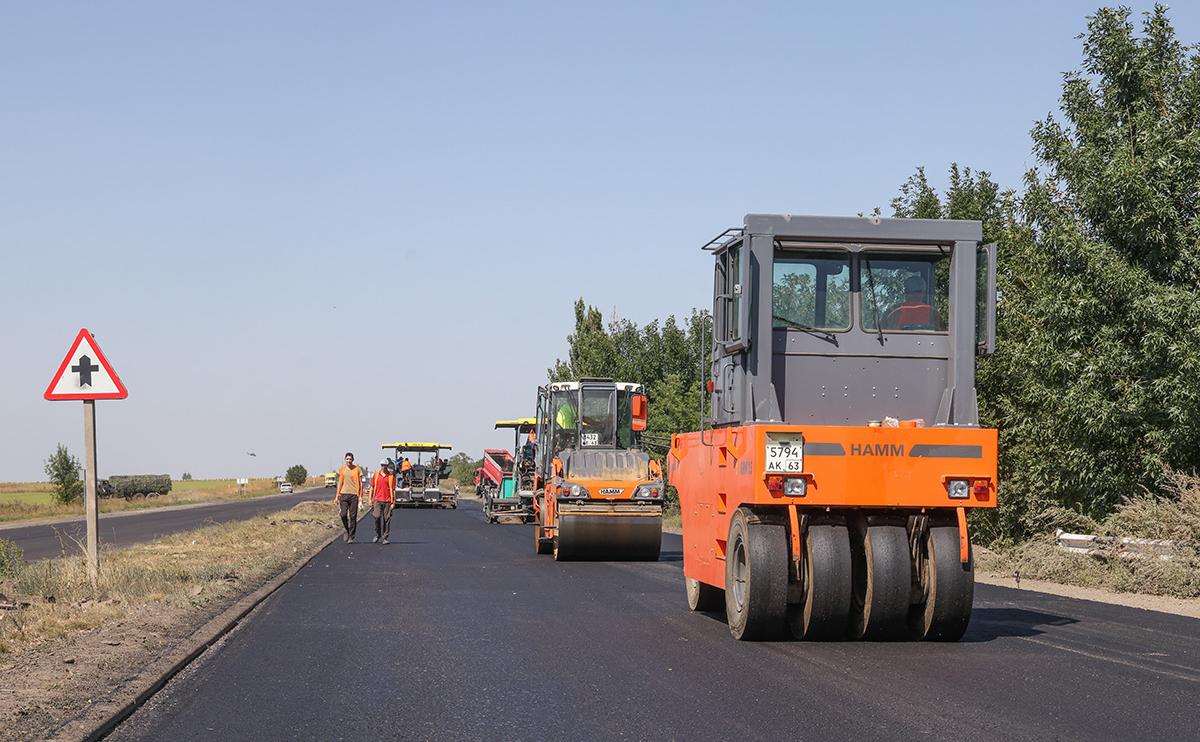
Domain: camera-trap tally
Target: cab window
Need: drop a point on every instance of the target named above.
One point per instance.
(905, 292)
(811, 289)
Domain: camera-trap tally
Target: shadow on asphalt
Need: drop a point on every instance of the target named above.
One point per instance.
(987, 624)
(670, 556)
(997, 623)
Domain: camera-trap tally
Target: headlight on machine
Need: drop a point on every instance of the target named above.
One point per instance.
(648, 491)
(569, 489)
(795, 486)
(958, 489)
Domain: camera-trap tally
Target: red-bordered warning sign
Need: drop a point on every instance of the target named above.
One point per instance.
(85, 373)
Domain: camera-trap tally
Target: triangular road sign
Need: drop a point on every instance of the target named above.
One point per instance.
(85, 373)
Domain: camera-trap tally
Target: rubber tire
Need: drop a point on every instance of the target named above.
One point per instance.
(882, 581)
(949, 589)
(703, 597)
(760, 550)
(541, 545)
(828, 585)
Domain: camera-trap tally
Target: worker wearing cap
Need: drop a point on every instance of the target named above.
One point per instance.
(383, 488)
(349, 490)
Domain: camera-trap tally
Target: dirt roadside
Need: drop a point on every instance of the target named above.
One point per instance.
(48, 683)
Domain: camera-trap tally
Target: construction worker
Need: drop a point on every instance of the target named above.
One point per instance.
(565, 425)
(406, 472)
(349, 490)
(914, 313)
(383, 498)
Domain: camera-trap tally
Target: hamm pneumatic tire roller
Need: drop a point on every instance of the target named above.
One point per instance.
(599, 495)
(816, 499)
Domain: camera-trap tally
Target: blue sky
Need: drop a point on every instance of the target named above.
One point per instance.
(298, 228)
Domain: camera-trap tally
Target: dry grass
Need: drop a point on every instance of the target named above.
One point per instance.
(1173, 515)
(55, 597)
(33, 500)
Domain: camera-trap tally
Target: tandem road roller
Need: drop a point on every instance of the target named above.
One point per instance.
(828, 491)
(598, 495)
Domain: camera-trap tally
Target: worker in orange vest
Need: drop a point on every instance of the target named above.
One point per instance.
(406, 472)
(383, 497)
(349, 490)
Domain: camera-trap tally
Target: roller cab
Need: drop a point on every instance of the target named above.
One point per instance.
(827, 491)
(598, 494)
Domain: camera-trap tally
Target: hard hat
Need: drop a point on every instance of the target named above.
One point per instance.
(385, 462)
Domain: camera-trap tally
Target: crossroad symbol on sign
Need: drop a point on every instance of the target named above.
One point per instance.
(85, 373)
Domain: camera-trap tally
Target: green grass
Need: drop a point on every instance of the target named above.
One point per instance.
(31, 501)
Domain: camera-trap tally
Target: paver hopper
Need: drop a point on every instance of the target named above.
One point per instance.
(514, 493)
(421, 484)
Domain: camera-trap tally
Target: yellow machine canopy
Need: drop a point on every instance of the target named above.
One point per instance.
(417, 446)
(521, 424)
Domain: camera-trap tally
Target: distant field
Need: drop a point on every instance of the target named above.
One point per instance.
(33, 500)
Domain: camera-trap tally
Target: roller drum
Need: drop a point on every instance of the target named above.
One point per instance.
(587, 536)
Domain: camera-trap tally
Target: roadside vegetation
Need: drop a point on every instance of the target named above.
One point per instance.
(1093, 383)
(34, 500)
(47, 600)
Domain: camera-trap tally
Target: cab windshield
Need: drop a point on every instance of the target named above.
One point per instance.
(905, 292)
(598, 420)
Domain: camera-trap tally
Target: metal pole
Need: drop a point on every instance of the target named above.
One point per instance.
(91, 506)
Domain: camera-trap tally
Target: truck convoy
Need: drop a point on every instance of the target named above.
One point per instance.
(421, 484)
(596, 493)
(828, 489)
(512, 494)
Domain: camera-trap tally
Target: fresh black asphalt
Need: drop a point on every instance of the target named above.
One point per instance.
(122, 529)
(457, 630)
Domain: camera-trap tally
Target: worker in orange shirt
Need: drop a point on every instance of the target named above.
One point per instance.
(383, 487)
(349, 490)
(406, 472)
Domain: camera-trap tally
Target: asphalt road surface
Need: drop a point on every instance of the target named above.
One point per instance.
(458, 631)
(133, 527)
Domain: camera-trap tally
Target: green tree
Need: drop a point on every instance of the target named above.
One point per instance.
(62, 469)
(1093, 382)
(462, 468)
(186, 476)
(296, 474)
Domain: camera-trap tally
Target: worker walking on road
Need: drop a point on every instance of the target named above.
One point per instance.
(383, 497)
(349, 489)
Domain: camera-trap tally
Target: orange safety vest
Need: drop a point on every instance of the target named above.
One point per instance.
(405, 466)
(384, 487)
(350, 481)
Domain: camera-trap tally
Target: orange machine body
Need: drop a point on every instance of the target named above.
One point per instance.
(878, 469)
(601, 491)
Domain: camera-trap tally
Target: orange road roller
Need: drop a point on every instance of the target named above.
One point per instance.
(827, 492)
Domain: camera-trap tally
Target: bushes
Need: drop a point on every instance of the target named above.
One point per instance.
(296, 475)
(11, 558)
(63, 471)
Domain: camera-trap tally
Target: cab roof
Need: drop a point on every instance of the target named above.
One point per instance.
(417, 446)
(570, 386)
(522, 424)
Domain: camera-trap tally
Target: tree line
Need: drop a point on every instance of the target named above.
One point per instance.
(1093, 384)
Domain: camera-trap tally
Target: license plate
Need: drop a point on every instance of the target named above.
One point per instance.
(785, 454)
(591, 439)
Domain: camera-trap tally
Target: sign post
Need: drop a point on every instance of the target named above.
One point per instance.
(90, 377)
(91, 501)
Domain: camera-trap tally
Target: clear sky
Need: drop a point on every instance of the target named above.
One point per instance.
(297, 228)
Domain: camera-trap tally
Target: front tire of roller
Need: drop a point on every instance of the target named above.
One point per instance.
(948, 586)
(756, 578)
(882, 580)
(828, 585)
(703, 597)
(541, 545)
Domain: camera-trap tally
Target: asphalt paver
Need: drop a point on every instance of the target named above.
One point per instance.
(457, 630)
